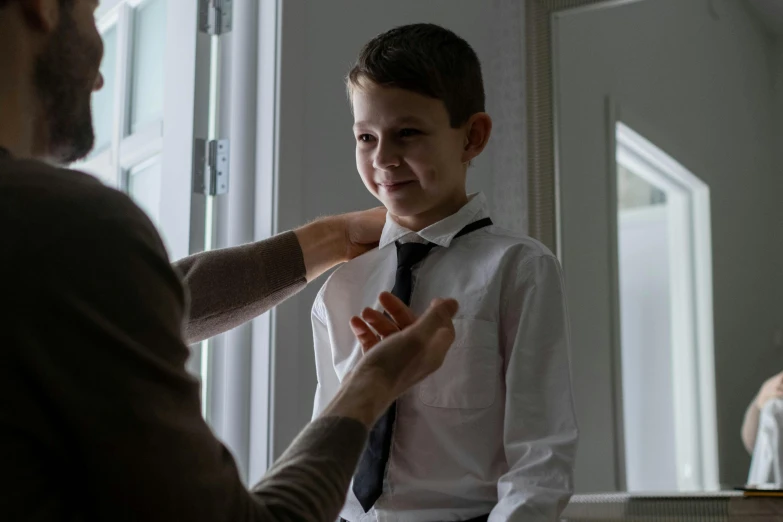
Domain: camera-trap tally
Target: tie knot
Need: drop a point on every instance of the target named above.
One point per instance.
(409, 254)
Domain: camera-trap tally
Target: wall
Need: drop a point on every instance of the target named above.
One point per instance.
(778, 116)
(694, 78)
(317, 171)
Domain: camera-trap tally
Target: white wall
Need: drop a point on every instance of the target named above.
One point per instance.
(320, 40)
(694, 77)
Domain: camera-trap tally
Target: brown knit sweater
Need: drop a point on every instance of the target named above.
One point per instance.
(99, 419)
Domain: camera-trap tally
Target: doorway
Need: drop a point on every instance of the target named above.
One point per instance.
(665, 315)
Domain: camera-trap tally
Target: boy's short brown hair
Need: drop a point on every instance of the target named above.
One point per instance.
(426, 59)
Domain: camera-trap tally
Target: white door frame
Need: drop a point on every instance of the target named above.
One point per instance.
(689, 232)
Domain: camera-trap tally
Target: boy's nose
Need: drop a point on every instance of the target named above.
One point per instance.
(386, 157)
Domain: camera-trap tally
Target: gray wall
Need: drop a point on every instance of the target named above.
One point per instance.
(778, 116)
(320, 40)
(694, 77)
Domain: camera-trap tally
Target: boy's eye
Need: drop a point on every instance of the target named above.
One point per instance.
(366, 138)
(407, 133)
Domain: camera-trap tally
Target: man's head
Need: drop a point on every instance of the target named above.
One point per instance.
(418, 102)
(62, 50)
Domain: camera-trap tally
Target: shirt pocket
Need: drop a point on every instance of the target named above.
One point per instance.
(469, 375)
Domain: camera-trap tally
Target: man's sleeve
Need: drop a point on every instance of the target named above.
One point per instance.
(540, 431)
(231, 286)
(130, 411)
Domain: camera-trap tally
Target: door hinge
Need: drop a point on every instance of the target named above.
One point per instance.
(210, 167)
(214, 16)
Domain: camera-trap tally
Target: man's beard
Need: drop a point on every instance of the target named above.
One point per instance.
(62, 79)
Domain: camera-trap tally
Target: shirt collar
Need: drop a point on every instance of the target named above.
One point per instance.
(442, 232)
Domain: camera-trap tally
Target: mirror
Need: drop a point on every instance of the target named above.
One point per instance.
(663, 122)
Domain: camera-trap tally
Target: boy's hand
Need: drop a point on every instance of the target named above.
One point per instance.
(373, 326)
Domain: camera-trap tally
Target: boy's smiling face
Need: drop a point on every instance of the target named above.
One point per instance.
(409, 156)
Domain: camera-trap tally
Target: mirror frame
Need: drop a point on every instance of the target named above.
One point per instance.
(543, 178)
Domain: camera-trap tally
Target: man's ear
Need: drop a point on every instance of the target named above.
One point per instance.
(477, 131)
(44, 15)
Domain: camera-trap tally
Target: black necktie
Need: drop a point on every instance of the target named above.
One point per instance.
(368, 480)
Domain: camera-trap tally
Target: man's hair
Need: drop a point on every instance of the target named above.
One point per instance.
(426, 59)
(4, 3)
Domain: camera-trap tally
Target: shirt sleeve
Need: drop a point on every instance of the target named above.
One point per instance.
(231, 286)
(750, 426)
(540, 431)
(118, 388)
(328, 381)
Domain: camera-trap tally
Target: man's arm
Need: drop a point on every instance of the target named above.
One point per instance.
(750, 426)
(230, 286)
(540, 431)
(112, 369)
(111, 366)
(771, 389)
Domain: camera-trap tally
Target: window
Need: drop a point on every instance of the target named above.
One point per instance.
(128, 113)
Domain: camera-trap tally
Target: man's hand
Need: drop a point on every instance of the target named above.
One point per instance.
(333, 240)
(373, 326)
(392, 365)
(362, 231)
(771, 389)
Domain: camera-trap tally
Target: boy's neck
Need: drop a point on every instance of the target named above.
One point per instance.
(421, 221)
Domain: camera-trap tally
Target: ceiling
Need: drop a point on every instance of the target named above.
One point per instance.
(770, 12)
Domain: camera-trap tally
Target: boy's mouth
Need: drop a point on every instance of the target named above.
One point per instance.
(393, 186)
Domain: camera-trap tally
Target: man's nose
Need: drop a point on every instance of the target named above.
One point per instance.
(98, 83)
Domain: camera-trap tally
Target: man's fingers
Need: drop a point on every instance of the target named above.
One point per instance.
(364, 334)
(438, 315)
(401, 314)
(441, 342)
(379, 322)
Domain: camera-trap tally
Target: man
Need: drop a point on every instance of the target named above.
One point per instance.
(98, 418)
(770, 390)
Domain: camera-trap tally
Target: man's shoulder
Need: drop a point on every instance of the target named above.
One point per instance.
(53, 209)
(49, 189)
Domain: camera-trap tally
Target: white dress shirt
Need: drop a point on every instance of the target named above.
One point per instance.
(766, 466)
(493, 430)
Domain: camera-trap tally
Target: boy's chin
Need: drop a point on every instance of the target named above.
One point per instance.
(401, 210)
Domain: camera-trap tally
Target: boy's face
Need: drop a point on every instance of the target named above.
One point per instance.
(408, 155)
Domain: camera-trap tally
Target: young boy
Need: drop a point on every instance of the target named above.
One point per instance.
(491, 434)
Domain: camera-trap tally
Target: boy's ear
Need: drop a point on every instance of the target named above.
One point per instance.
(477, 131)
